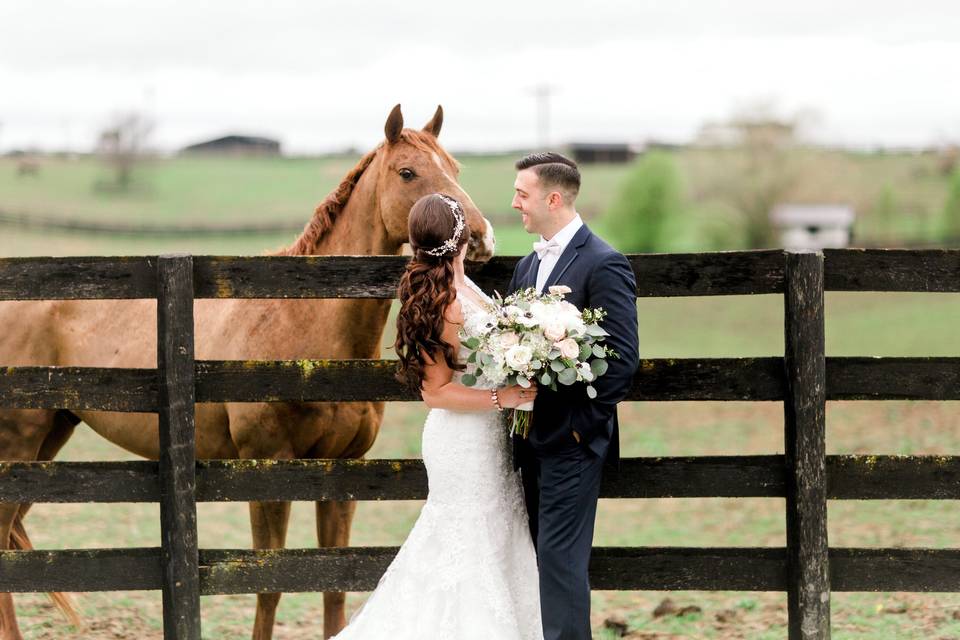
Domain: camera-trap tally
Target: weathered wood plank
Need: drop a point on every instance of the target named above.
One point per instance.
(720, 476)
(933, 270)
(78, 388)
(178, 507)
(901, 378)
(804, 408)
(127, 481)
(708, 274)
(359, 569)
(80, 570)
(916, 570)
(298, 276)
(849, 477)
(78, 278)
(354, 380)
(865, 477)
(663, 379)
(658, 275)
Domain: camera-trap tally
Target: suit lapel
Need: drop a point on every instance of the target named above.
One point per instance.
(530, 278)
(566, 258)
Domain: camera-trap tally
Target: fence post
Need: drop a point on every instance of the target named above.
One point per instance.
(178, 507)
(804, 409)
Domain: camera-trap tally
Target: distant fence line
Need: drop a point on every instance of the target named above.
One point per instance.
(35, 222)
(803, 378)
(78, 225)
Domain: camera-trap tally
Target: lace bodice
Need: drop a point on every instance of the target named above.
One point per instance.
(475, 316)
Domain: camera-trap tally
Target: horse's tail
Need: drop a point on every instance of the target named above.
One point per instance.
(20, 540)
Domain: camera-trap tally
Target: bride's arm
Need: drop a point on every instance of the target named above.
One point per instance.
(439, 391)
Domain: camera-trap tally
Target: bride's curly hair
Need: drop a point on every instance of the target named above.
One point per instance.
(426, 289)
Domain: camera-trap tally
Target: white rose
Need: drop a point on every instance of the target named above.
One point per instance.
(568, 348)
(509, 339)
(559, 288)
(519, 356)
(554, 330)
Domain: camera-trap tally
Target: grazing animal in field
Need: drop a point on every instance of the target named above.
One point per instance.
(365, 215)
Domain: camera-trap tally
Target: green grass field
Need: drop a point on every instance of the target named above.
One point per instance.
(857, 324)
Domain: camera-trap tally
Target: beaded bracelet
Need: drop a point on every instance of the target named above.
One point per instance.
(495, 399)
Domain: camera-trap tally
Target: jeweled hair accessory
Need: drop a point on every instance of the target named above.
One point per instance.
(450, 245)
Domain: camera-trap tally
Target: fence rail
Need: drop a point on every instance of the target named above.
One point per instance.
(804, 379)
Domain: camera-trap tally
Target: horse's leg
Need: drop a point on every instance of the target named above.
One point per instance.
(269, 523)
(9, 630)
(22, 433)
(333, 530)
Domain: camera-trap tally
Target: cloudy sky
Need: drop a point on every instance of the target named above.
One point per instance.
(322, 76)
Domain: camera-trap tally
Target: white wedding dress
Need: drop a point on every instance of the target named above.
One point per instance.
(468, 569)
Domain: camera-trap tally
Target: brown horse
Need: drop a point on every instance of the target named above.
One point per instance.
(366, 214)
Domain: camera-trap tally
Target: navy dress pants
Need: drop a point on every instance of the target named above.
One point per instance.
(561, 488)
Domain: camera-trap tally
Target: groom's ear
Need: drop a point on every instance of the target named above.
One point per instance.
(554, 199)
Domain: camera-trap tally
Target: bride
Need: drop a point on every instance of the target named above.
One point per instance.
(468, 568)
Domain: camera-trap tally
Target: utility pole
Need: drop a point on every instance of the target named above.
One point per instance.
(542, 93)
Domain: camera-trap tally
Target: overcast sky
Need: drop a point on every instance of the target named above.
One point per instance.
(322, 76)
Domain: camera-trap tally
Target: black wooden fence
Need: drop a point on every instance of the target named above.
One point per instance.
(804, 379)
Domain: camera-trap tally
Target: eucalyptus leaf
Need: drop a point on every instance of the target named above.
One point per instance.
(599, 351)
(585, 352)
(546, 379)
(591, 392)
(595, 330)
(472, 357)
(556, 365)
(535, 364)
(468, 379)
(567, 376)
(472, 342)
(598, 367)
(523, 382)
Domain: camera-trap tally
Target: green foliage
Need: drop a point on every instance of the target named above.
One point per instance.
(649, 198)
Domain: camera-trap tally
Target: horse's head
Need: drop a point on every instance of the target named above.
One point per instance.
(413, 164)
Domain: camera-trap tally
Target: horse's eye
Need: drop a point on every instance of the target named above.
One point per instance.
(407, 175)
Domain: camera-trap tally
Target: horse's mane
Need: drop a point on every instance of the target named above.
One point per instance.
(327, 211)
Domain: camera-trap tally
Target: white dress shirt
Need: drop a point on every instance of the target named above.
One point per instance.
(563, 238)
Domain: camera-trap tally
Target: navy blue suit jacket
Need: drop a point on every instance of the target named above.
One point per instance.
(598, 276)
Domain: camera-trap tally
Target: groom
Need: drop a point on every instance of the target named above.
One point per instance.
(571, 435)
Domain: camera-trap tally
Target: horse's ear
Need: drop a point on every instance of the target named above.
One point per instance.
(394, 125)
(433, 127)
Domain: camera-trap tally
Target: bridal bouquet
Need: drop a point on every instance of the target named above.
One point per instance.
(529, 338)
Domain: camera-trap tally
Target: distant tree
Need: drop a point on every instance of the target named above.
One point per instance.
(759, 165)
(649, 198)
(122, 144)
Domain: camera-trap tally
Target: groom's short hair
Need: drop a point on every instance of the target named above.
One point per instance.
(554, 170)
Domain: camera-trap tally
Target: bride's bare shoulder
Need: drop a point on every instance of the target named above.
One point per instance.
(454, 313)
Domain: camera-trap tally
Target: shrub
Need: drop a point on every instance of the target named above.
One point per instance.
(649, 198)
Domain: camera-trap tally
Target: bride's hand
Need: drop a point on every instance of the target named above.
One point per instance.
(515, 395)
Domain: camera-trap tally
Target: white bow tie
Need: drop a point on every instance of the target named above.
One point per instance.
(544, 249)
